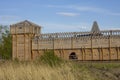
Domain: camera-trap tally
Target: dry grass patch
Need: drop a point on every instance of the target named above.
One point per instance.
(10, 70)
(32, 71)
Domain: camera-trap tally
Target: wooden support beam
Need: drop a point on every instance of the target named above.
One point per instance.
(117, 50)
(63, 53)
(102, 52)
(71, 42)
(109, 39)
(37, 48)
(91, 47)
(24, 45)
(92, 53)
(99, 51)
(60, 52)
(31, 55)
(30, 42)
(24, 48)
(82, 53)
(16, 47)
(109, 53)
(15, 53)
(53, 45)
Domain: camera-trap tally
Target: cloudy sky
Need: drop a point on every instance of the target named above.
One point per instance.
(62, 15)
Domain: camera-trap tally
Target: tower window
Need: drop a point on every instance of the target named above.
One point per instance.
(20, 27)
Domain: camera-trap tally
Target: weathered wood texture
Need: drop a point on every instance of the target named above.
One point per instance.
(28, 43)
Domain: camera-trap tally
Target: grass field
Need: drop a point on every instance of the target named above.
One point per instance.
(11, 70)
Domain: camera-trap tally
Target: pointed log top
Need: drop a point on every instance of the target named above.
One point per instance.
(95, 28)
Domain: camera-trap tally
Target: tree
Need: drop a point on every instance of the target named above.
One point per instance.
(5, 43)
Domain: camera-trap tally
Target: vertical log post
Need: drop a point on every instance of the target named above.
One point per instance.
(91, 47)
(118, 53)
(71, 42)
(82, 54)
(102, 53)
(110, 45)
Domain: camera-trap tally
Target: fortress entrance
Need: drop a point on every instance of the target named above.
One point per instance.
(73, 56)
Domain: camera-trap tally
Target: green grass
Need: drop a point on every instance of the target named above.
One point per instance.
(49, 58)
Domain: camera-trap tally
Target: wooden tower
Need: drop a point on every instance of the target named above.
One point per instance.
(22, 34)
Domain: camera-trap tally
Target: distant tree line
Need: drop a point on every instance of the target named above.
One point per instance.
(5, 43)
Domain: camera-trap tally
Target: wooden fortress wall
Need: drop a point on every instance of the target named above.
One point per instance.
(28, 43)
(105, 46)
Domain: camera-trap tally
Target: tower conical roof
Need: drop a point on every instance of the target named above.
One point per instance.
(95, 28)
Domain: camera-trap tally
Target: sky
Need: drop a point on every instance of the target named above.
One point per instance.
(62, 15)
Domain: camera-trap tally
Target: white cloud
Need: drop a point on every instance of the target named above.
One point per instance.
(89, 8)
(80, 8)
(67, 14)
(86, 9)
(97, 10)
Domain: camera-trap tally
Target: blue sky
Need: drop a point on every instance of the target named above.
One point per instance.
(62, 15)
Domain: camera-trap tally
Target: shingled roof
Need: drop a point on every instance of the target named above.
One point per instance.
(95, 28)
(27, 22)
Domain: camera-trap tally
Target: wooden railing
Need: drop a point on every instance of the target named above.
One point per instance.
(104, 33)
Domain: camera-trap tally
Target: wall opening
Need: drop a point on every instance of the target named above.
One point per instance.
(73, 56)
